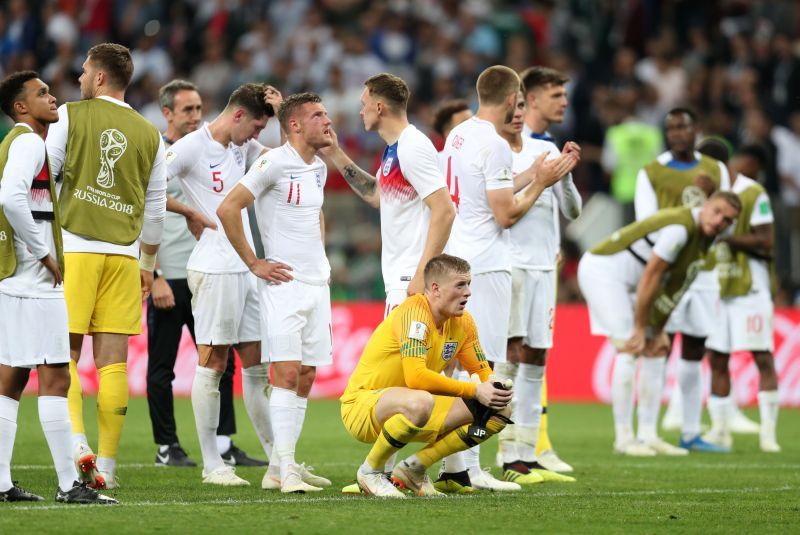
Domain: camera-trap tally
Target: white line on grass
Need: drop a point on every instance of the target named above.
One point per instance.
(503, 496)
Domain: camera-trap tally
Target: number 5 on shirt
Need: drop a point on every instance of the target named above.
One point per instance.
(219, 185)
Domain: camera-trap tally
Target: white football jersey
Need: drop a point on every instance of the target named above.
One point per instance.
(207, 171)
(535, 237)
(409, 172)
(289, 197)
(476, 160)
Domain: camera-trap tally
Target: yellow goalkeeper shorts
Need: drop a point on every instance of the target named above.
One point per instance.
(358, 416)
(103, 293)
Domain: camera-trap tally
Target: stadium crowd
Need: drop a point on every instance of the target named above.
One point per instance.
(735, 62)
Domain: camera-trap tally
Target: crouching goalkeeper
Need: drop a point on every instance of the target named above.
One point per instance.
(397, 394)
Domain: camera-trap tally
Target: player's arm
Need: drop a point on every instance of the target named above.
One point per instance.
(230, 215)
(195, 220)
(364, 184)
(155, 208)
(645, 202)
(669, 244)
(509, 208)
(56, 141)
(569, 199)
(442, 216)
(25, 156)
(758, 242)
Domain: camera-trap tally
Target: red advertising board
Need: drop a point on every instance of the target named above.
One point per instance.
(579, 366)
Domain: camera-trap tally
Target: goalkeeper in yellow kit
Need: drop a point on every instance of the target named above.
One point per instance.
(397, 394)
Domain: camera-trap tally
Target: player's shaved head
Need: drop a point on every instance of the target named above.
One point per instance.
(292, 104)
(495, 84)
(442, 266)
(12, 89)
(391, 89)
(716, 148)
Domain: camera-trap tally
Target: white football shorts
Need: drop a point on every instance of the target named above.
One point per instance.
(490, 305)
(743, 324)
(533, 299)
(225, 307)
(33, 331)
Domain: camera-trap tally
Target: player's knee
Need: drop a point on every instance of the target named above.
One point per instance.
(764, 362)
(534, 356)
(54, 384)
(718, 362)
(288, 378)
(692, 348)
(418, 408)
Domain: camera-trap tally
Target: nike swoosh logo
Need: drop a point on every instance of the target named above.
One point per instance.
(163, 458)
(292, 177)
(215, 165)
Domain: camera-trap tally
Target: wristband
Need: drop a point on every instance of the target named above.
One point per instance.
(147, 262)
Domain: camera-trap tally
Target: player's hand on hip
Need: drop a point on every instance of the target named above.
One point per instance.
(636, 343)
(659, 345)
(55, 270)
(490, 396)
(272, 272)
(147, 282)
(197, 222)
(163, 298)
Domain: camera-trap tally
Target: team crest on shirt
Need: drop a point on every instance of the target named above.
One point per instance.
(387, 166)
(239, 158)
(318, 176)
(448, 350)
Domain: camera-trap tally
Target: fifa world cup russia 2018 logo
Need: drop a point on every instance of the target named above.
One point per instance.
(112, 146)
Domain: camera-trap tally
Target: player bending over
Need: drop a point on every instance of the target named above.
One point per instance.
(397, 394)
(647, 265)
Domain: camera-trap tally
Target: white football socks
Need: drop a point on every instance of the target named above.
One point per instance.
(506, 439)
(720, 409)
(691, 386)
(283, 413)
(54, 417)
(651, 387)
(205, 403)
(528, 413)
(8, 432)
(255, 381)
(224, 443)
(622, 388)
(768, 410)
(300, 416)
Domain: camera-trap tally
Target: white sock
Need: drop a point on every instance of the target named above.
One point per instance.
(224, 443)
(54, 417)
(691, 385)
(472, 458)
(721, 410)
(651, 387)
(453, 464)
(674, 411)
(8, 432)
(300, 416)
(506, 439)
(282, 411)
(107, 465)
(255, 381)
(528, 389)
(622, 388)
(768, 410)
(79, 438)
(205, 404)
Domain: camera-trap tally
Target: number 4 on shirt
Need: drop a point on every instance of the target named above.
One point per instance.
(452, 184)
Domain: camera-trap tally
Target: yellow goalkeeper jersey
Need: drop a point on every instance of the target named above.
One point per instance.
(408, 350)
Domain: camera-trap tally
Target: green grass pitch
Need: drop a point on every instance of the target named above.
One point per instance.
(743, 492)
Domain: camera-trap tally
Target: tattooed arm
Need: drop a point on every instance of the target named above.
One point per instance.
(362, 182)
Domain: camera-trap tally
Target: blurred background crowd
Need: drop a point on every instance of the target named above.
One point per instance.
(735, 62)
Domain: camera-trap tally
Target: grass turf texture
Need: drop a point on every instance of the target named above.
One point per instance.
(745, 491)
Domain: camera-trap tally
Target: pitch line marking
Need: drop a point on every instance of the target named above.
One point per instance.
(495, 496)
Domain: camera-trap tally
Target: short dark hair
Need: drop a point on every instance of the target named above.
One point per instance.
(390, 88)
(729, 197)
(715, 147)
(12, 89)
(291, 104)
(681, 110)
(535, 77)
(445, 113)
(115, 60)
(166, 95)
(444, 264)
(250, 97)
(495, 83)
(757, 152)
